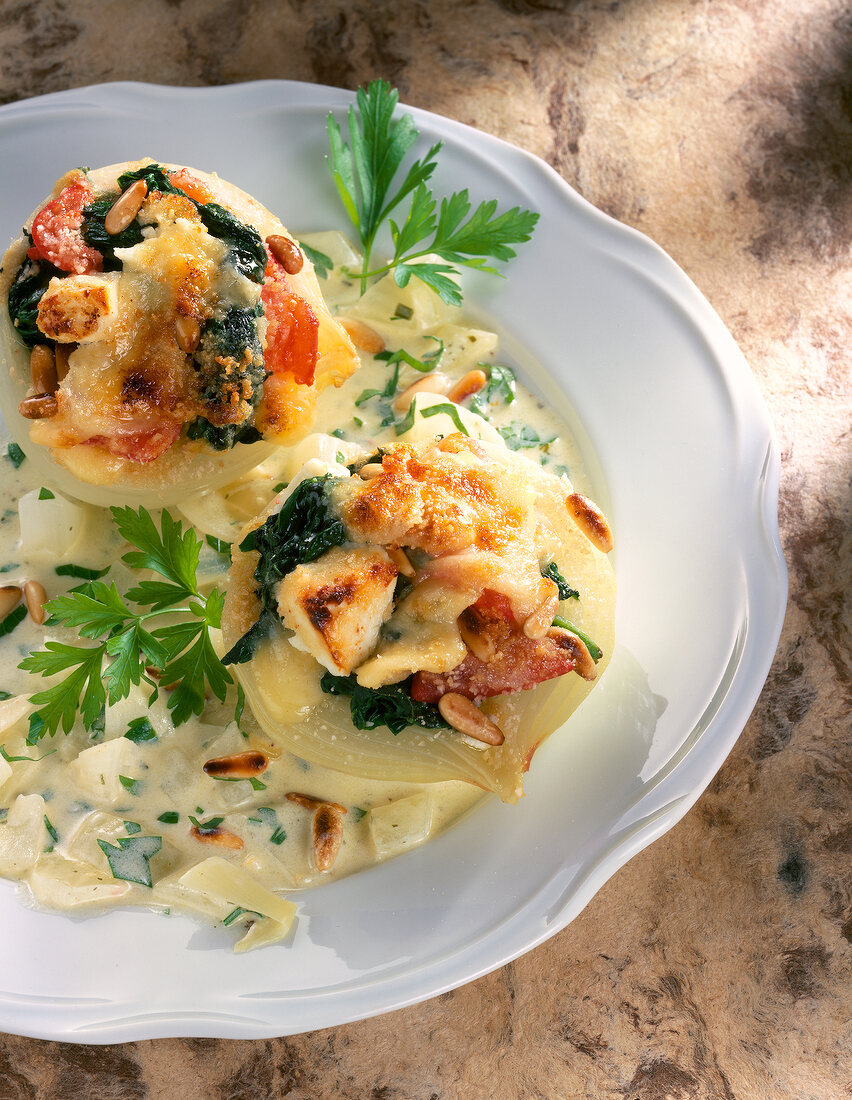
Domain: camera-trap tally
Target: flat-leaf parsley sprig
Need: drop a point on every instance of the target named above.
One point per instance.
(179, 653)
(364, 171)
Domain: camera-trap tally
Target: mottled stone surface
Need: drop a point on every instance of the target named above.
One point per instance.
(717, 964)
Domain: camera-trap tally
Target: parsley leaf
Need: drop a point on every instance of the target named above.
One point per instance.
(323, 265)
(364, 171)
(15, 455)
(181, 653)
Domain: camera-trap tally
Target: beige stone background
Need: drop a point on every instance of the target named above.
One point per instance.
(717, 964)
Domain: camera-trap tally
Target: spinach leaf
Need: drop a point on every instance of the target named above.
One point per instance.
(24, 296)
(302, 531)
(245, 248)
(566, 592)
(390, 706)
(94, 233)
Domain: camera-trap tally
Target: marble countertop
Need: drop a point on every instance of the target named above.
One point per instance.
(717, 964)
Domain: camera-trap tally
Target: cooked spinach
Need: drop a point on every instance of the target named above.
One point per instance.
(229, 360)
(94, 233)
(302, 531)
(245, 247)
(390, 706)
(25, 293)
(566, 592)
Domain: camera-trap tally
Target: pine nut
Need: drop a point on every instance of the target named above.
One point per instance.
(400, 560)
(591, 521)
(62, 353)
(125, 208)
(35, 596)
(541, 620)
(10, 597)
(221, 837)
(481, 645)
(40, 406)
(466, 717)
(43, 369)
(327, 830)
(371, 470)
(467, 386)
(187, 334)
(584, 663)
(240, 765)
(429, 383)
(287, 253)
(362, 336)
(308, 802)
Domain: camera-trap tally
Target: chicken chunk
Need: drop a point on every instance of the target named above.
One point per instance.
(337, 604)
(78, 308)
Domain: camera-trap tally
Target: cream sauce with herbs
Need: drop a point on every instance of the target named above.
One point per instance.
(161, 786)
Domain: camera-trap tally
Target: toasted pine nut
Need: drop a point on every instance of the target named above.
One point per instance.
(125, 208)
(35, 596)
(541, 620)
(61, 355)
(429, 383)
(327, 830)
(467, 386)
(43, 369)
(310, 803)
(370, 470)
(187, 334)
(240, 765)
(400, 560)
(481, 645)
(221, 837)
(10, 596)
(287, 253)
(362, 336)
(591, 521)
(39, 406)
(466, 717)
(584, 663)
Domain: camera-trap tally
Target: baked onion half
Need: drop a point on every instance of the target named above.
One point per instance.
(164, 333)
(365, 601)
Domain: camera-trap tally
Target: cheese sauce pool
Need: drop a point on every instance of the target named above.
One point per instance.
(161, 788)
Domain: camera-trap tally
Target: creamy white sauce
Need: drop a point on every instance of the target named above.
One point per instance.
(165, 776)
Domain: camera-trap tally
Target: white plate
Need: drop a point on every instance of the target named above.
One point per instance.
(689, 475)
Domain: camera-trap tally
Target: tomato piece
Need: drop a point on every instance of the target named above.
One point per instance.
(142, 446)
(292, 334)
(56, 232)
(192, 186)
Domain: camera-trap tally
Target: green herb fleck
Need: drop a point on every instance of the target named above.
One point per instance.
(132, 827)
(170, 817)
(80, 572)
(323, 265)
(130, 860)
(34, 759)
(46, 494)
(54, 836)
(209, 826)
(15, 455)
(518, 436)
(134, 786)
(235, 914)
(139, 730)
(12, 620)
